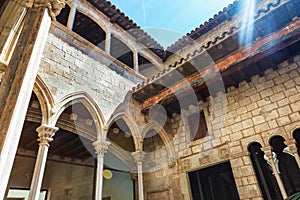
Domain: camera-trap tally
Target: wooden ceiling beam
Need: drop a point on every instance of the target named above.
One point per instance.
(234, 63)
(69, 153)
(66, 145)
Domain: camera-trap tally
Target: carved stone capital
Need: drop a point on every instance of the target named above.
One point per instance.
(138, 156)
(46, 133)
(268, 151)
(54, 6)
(292, 145)
(101, 147)
(134, 176)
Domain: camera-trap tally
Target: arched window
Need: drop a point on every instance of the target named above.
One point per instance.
(90, 30)
(121, 52)
(264, 174)
(146, 68)
(296, 135)
(287, 166)
(120, 134)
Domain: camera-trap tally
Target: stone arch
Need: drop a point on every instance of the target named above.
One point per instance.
(163, 135)
(45, 99)
(263, 173)
(270, 137)
(146, 67)
(82, 22)
(119, 36)
(262, 144)
(132, 126)
(121, 50)
(98, 18)
(92, 15)
(90, 105)
(296, 128)
(151, 59)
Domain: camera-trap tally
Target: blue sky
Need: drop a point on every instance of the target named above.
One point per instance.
(167, 20)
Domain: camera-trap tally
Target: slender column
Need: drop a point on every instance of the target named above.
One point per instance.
(136, 61)
(139, 158)
(17, 84)
(45, 134)
(101, 148)
(72, 14)
(108, 42)
(293, 148)
(135, 185)
(269, 155)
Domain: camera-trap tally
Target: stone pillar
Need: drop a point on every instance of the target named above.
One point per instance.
(19, 78)
(134, 178)
(72, 14)
(269, 154)
(136, 60)
(139, 158)
(108, 42)
(45, 134)
(293, 148)
(10, 26)
(101, 148)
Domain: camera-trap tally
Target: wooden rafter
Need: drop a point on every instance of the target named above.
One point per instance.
(233, 63)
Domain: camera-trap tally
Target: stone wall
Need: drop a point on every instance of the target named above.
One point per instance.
(68, 66)
(253, 112)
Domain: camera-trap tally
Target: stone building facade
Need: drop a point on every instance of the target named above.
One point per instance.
(92, 107)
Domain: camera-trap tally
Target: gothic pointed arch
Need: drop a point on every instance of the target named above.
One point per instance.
(121, 50)
(45, 99)
(122, 115)
(88, 102)
(163, 135)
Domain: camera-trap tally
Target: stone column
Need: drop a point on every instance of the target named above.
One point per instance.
(72, 14)
(293, 148)
(45, 134)
(139, 158)
(101, 148)
(19, 78)
(108, 42)
(269, 154)
(136, 60)
(10, 26)
(134, 178)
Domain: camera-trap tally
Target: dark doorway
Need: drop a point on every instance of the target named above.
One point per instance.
(214, 183)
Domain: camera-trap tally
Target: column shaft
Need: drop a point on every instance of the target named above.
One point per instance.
(140, 180)
(293, 148)
(38, 173)
(269, 154)
(45, 137)
(107, 42)
(99, 182)
(297, 158)
(136, 61)
(139, 158)
(15, 90)
(72, 14)
(101, 147)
